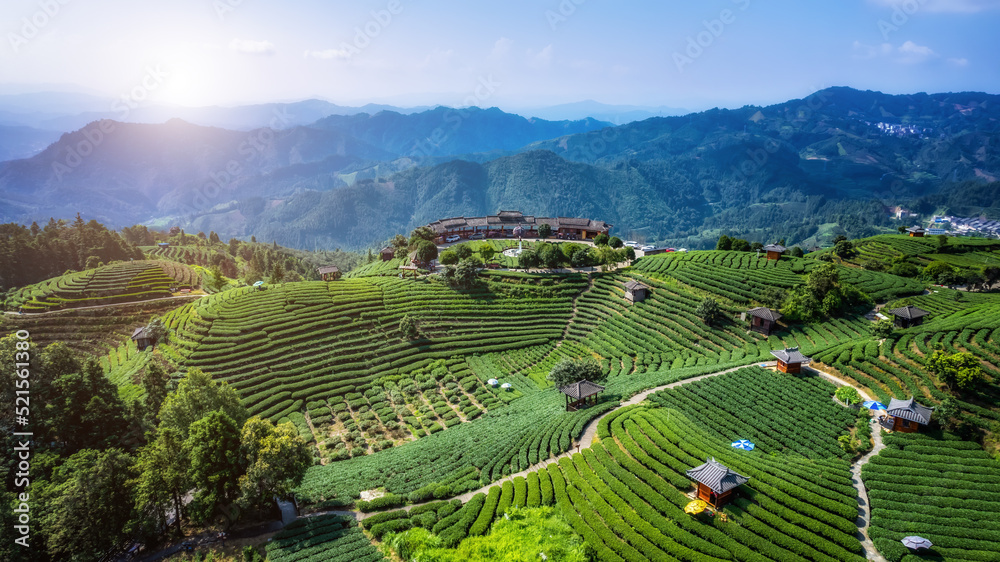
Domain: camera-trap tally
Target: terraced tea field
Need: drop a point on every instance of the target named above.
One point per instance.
(947, 491)
(116, 283)
(626, 494)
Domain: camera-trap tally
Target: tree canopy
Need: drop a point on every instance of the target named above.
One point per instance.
(569, 371)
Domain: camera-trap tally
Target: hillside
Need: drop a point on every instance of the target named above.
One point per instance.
(383, 409)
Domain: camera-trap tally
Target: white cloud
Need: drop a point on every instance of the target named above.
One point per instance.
(941, 6)
(911, 53)
(542, 58)
(959, 61)
(501, 48)
(864, 51)
(327, 54)
(250, 47)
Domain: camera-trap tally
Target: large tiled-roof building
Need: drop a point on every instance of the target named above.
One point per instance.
(503, 224)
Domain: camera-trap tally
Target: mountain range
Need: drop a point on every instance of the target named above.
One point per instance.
(826, 163)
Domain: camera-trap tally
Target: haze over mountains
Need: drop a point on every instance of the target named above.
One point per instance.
(353, 180)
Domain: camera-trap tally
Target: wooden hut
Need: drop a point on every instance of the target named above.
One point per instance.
(329, 272)
(790, 360)
(907, 415)
(580, 394)
(142, 339)
(387, 253)
(763, 320)
(717, 483)
(774, 251)
(916, 231)
(907, 316)
(636, 291)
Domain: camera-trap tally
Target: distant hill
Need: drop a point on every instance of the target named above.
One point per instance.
(806, 169)
(616, 114)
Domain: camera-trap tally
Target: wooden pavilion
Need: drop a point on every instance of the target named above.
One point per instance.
(763, 320)
(790, 360)
(774, 251)
(717, 483)
(582, 393)
(329, 272)
(407, 268)
(916, 231)
(908, 315)
(636, 291)
(142, 339)
(907, 415)
(387, 253)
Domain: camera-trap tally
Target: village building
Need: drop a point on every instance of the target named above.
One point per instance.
(580, 394)
(907, 316)
(916, 231)
(763, 320)
(774, 251)
(329, 272)
(907, 416)
(387, 253)
(717, 483)
(142, 339)
(505, 224)
(790, 360)
(636, 291)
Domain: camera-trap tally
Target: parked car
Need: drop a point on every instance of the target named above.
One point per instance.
(631, 243)
(477, 236)
(647, 248)
(453, 238)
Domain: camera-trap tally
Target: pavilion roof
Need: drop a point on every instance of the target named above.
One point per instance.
(717, 476)
(581, 389)
(909, 410)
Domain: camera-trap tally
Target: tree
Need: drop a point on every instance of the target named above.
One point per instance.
(216, 466)
(154, 382)
(848, 395)
(756, 246)
(569, 371)
(601, 239)
(528, 258)
(772, 297)
(796, 252)
(724, 243)
(463, 251)
(91, 507)
(217, 282)
(426, 251)
(276, 459)
(549, 255)
(881, 329)
(942, 243)
(408, 326)
(163, 479)
(708, 310)
(823, 279)
(843, 249)
(448, 257)
(839, 238)
(196, 396)
(947, 411)
(277, 273)
(487, 252)
(801, 305)
(615, 242)
(582, 258)
(961, 369)
(935, 269)
(465, 273)
(544, 230)
(740, 245)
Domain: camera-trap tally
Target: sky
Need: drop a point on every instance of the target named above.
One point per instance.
(510, 54)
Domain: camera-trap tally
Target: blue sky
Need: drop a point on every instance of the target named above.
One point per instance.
(509, 54)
